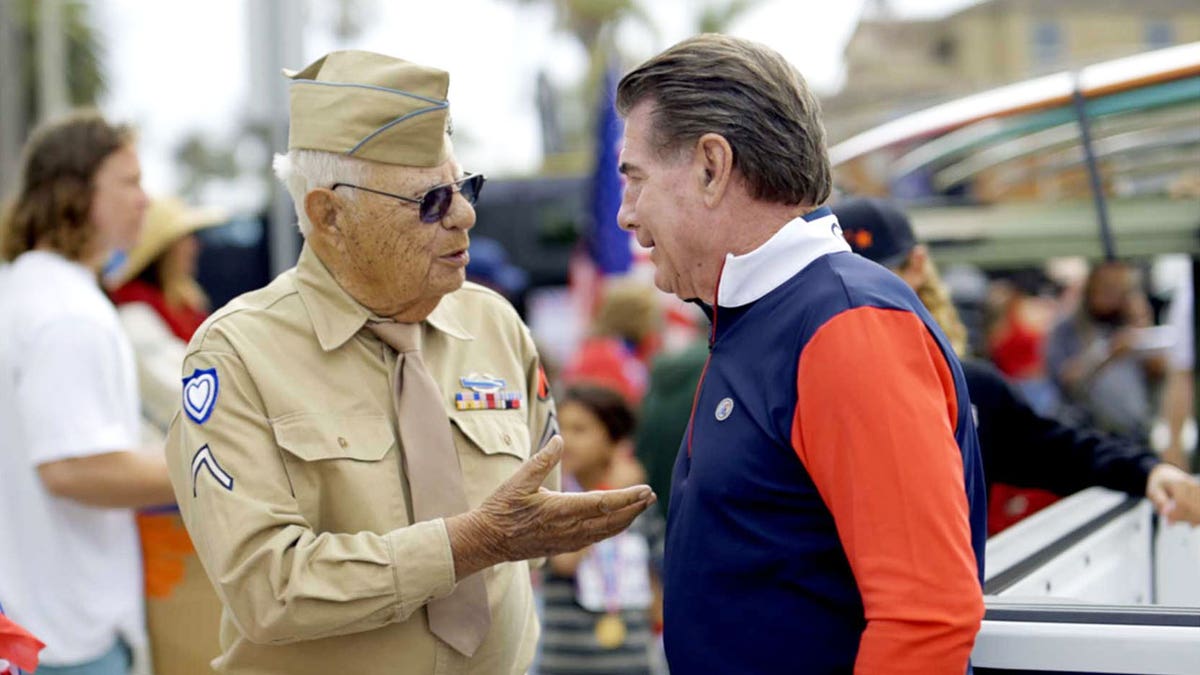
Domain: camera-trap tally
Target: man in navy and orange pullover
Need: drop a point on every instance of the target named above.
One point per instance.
(827, 506)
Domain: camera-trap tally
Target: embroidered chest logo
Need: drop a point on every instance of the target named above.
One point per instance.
(485, 392)
(200, 391)
(724, 409)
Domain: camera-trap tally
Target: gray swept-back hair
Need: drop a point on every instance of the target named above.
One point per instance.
(747, 93)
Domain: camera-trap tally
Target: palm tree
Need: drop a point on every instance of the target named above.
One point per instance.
(85, 79)
(717, 17)
(592, 21)
(19, 95)
(594, 24)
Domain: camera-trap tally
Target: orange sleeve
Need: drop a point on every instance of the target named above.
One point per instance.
(874, 427)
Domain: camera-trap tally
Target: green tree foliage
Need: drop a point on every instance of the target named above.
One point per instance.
(86, 82)
(594, 23)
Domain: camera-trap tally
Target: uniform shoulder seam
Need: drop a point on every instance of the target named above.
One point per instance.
(227, 312)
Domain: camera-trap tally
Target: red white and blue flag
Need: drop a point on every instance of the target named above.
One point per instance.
(605, 249)
(18, 647)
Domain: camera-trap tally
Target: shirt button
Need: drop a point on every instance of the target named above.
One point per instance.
(343, 442)
(507, 439)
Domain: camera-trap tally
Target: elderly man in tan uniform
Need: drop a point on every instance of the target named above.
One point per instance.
(357, 453)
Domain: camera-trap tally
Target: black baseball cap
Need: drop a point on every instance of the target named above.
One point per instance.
(876, 229)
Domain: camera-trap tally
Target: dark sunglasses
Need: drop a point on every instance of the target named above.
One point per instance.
(436, 201)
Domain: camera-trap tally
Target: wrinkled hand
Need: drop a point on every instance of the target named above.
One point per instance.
(523, 520)
(1174, 493)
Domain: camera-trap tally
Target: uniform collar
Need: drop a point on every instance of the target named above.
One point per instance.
(444, 317)
(337, 317)
(748, 277)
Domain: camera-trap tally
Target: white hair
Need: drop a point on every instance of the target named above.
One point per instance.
(302, 171)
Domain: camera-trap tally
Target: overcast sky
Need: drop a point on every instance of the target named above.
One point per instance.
(181, 65)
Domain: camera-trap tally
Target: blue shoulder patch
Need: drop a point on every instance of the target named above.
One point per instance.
(200, 394)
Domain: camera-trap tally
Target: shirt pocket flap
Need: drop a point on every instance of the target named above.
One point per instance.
(315, 436)
(500, 433)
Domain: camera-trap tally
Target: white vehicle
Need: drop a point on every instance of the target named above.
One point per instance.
(1089, 164)
(1093, 584)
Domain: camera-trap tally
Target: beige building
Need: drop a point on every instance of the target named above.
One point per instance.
(897, 66)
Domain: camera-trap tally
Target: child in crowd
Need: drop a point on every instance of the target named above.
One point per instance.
(601, 602)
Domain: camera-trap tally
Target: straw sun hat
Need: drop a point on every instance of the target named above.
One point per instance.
(167, 221)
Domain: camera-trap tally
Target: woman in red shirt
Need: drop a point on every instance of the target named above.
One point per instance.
(161, 305)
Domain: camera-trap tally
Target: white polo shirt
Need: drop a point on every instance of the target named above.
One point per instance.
(71, 573)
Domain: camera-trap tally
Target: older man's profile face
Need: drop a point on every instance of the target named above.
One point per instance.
(396, 259)
(661, 206)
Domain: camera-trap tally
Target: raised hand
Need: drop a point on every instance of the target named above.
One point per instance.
(523, 520)
(1174, 493)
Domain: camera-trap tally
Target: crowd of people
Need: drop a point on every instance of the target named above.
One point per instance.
(366, 466)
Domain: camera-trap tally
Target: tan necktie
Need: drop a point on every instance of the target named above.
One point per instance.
(435, 480)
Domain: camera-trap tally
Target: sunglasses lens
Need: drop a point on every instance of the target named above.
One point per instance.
(436, 203)
(471, 187)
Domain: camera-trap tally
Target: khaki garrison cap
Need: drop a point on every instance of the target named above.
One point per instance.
(372, 107)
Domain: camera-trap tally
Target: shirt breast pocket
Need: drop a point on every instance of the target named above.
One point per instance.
(491, 446)
(344, 469)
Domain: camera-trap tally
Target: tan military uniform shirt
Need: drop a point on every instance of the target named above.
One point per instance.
(288, 470)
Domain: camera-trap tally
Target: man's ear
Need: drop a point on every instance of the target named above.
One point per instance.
(713, 159)
(321, 207)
